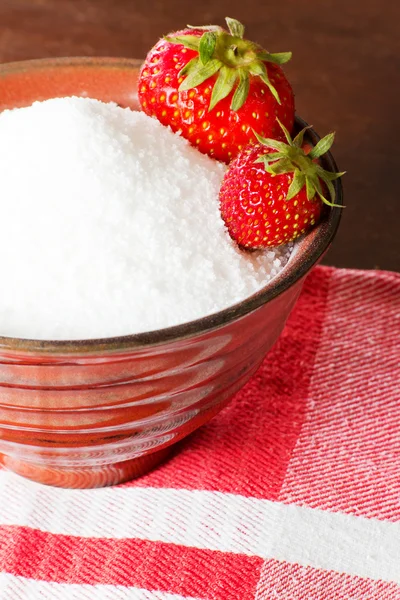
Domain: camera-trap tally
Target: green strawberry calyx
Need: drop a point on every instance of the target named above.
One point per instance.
(290, 157)
(234, 58)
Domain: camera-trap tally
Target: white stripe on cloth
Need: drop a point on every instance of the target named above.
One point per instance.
(13, 587)
(209, 520)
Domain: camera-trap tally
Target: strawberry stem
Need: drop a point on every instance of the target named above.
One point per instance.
(227, 51)
(290, 158)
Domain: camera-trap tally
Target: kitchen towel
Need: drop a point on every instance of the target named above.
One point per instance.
(292, 492)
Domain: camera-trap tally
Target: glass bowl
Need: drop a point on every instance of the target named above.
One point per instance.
(92, 413)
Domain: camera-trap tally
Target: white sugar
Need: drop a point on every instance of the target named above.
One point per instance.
(110, 226)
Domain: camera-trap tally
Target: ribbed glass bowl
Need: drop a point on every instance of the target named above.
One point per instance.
(91, 413)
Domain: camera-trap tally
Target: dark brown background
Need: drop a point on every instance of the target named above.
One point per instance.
(346, 60)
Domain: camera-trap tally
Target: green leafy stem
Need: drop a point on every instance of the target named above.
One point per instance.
(234, 58)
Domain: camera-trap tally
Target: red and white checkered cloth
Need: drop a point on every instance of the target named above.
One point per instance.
(291, 493)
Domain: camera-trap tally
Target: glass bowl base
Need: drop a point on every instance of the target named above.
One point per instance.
(86, 477)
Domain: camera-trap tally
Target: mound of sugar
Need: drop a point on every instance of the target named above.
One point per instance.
(111, 226)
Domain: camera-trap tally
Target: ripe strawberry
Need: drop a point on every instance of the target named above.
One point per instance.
(216, 88)
(274, 191)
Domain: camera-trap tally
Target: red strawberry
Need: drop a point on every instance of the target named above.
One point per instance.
(274, 191)
(216, 88)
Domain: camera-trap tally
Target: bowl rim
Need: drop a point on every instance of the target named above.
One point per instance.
(303, 258)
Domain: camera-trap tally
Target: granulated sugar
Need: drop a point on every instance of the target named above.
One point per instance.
(110, 226)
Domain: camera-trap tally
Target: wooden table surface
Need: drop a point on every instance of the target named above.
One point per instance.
(344, 70)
